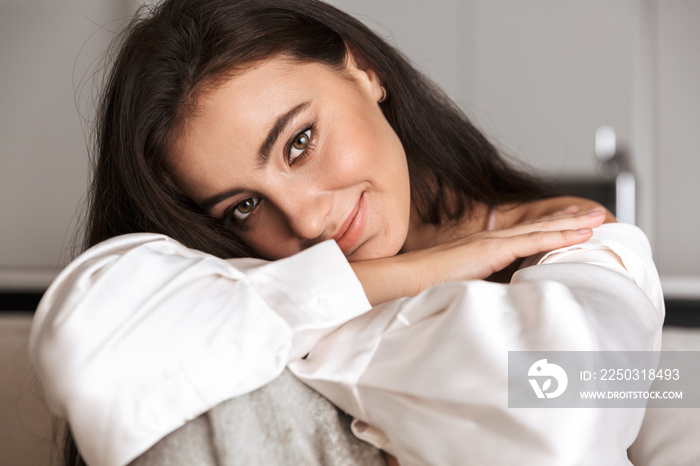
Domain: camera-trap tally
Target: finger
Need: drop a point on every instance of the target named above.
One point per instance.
(499, 252)
(587, 219)
(567, 212)
(535, 242)
(572, 209)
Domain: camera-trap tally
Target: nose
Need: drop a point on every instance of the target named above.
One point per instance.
(306, 210)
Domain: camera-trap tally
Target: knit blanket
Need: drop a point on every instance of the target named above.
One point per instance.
(282, 423)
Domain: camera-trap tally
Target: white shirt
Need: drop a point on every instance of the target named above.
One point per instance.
(140, 334)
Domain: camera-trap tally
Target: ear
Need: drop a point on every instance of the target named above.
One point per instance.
(359, 66)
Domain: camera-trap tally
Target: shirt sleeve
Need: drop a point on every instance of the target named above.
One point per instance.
(140, 334)
(426, 377)
(621, 248)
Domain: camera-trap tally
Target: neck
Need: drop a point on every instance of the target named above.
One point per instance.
(422, 235)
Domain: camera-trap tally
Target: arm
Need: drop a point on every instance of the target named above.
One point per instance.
(140, 334)
(439, 360)
(476, 256)
(123, 339)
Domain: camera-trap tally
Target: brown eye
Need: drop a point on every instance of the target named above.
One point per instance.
(299, 145)
(244, 208)
(301, 141)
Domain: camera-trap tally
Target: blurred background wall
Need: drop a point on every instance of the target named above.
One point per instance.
(538, 76)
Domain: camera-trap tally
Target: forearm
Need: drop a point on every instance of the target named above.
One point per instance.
(552, 307)
(472, 257)
(388, 278)
(92, 340)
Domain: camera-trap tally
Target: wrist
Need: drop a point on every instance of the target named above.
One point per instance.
(389, 278)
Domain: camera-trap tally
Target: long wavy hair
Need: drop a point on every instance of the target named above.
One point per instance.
(178, 49)
(170, 53)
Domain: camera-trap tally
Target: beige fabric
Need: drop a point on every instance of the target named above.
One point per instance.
(669, 436)
(282, 423)
(25, 423)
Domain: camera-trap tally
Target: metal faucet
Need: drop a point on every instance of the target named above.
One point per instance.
(614, 163)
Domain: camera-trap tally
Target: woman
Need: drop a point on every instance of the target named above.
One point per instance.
(288, 130)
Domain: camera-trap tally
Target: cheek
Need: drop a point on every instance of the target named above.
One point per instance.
(399, 186)
(273, 241)
(393, 201)
(352, 156)
(366, 152)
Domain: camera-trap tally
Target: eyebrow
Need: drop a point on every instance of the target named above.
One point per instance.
(277, 129)
(263, 153)
(210, 202)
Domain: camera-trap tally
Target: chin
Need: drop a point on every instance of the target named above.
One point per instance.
(376, 249)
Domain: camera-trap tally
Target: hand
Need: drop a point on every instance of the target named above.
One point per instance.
(519, 213)
(476, 256)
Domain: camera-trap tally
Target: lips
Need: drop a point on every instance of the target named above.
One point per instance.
(353, 226)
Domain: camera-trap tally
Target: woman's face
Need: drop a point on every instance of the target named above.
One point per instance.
(292, 154)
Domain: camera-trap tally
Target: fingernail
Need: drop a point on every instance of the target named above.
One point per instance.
(583, 231)
(596, 211)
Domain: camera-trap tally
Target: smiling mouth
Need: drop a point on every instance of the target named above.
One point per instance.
(352, 227)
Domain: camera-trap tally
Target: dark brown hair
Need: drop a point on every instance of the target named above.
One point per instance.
(167, 56)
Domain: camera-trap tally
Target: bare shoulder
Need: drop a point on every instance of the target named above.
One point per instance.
(544, 207)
